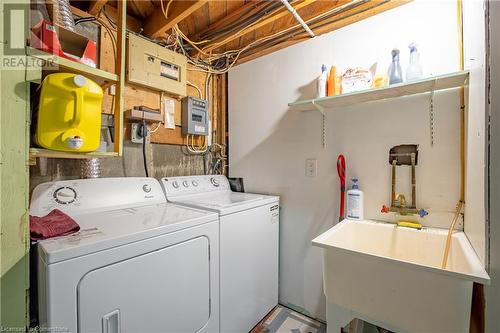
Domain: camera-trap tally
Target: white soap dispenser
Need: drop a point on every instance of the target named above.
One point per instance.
(355, 201)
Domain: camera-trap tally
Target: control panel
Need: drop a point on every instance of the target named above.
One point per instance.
(194, 116)
(91, 195)
(156, 67)
(190, 185)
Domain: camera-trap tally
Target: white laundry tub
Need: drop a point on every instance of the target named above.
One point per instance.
(391, 276)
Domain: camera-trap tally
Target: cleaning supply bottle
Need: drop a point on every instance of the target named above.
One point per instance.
(395, 73)
(321, 82)
(414, 70)
(332, 82)
(355, 201)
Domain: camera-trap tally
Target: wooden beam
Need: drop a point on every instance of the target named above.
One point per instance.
(132, 23)
(259, 24)
(336, 22)
(120, 71)
(95, 6)
(248, 9)
(157, 24)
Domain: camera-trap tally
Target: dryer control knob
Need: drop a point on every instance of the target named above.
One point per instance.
(214, 182)
(195, 183)
(185, 183)
(146, 188)
(175, 184)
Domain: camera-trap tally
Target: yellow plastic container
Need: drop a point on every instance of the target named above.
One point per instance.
(69, 114)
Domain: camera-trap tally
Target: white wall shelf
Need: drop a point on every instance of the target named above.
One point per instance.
(427, 85)
(430, 84)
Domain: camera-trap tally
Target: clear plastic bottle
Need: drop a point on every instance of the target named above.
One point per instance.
(414, 70)
(321, 82)
(395, 73)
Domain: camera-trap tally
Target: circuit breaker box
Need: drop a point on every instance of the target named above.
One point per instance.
(194, 116)
(153, 66)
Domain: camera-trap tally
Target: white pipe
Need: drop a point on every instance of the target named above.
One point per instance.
(297, 17)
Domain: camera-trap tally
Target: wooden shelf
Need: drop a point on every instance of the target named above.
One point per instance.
(40, 152)
(434, 83)
(55, 62)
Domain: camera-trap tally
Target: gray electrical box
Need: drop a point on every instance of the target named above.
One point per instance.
(194, 116)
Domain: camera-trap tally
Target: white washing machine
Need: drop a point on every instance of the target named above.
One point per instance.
(249, 242)
(138, 264)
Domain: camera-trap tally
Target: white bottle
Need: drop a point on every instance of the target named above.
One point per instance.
(355, 202)
(321, 83)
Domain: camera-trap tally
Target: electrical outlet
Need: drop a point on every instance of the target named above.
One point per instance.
(136, 133)
(311, 167)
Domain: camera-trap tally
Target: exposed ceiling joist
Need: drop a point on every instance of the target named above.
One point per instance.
(157, 24)
(259, 24)
(95, 6)
(327, 25)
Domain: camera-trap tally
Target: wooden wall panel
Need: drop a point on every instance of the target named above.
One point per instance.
(136, 95)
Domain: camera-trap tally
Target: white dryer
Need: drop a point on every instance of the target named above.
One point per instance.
(138, 264)
(249, 245)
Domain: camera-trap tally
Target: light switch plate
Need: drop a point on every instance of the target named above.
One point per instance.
(311, 167)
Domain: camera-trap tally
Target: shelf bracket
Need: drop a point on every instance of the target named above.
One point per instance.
(322, 110)
(318, 107)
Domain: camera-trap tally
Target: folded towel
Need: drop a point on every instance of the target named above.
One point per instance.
(55, 223)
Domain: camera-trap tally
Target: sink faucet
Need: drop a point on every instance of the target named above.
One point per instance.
(399, 207)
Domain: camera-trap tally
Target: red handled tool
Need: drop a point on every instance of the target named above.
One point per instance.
(341, 172)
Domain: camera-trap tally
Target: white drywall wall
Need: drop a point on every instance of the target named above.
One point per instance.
(269, 143)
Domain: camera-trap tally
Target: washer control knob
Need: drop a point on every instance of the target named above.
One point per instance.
(146, 188)
(195, 183)
(65, 195)
(214, 182)
(185, 183)
(175, 184)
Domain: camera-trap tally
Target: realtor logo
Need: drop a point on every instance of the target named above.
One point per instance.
(16, 29)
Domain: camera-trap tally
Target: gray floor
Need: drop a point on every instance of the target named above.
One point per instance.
(284, 320)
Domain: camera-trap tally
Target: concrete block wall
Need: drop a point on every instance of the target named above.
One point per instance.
(163, 160)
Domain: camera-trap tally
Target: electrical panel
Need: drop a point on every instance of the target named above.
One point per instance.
(194, 116)
(156, 67)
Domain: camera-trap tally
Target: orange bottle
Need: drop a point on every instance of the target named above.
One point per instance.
(331, 86)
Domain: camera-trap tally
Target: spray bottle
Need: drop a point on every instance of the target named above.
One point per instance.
(395, 73)
(414, 70)
(321, 82)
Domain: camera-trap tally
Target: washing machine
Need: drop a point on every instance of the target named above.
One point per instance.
(138, 263)
(249, 242)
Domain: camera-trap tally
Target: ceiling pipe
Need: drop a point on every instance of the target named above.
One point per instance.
(297, 17)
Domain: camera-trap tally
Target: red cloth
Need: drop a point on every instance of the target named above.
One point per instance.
(55, 223)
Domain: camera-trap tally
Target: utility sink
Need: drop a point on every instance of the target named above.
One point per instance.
(392, 277)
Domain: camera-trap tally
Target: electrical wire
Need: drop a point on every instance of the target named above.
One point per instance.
(165, 11)
(157, 127)
(200, 95)
(144, 138)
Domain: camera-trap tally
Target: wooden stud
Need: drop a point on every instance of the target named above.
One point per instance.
(95, 6)
(120, 71)
(157, 24)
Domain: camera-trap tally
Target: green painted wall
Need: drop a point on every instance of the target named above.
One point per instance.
(14, 144)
